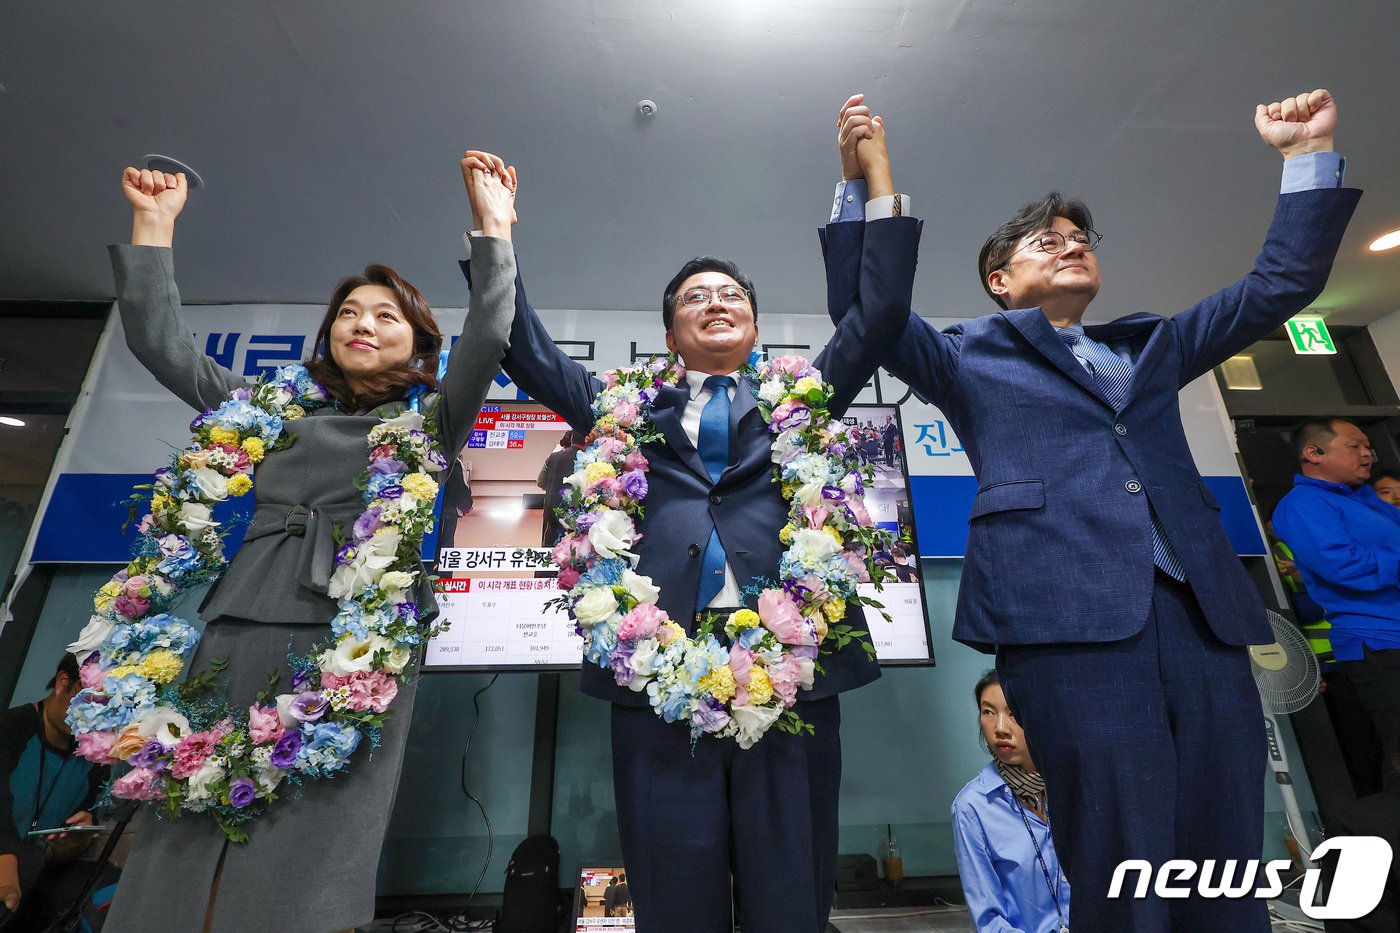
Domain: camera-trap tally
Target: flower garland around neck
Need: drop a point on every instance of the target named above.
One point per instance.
(742, 688)
(186, 746)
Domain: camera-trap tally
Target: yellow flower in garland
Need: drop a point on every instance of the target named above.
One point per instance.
(805, 386)
(760, 687)
(162, 666)
(107, 594)
(743, 619)
(598, 470)
(834, 609)
(223, 436)
(835, 535)
(239, 485)
(420, 486)
(719, 683)
(160, 502)
(290, 413)
(254, 447)
(785, 536)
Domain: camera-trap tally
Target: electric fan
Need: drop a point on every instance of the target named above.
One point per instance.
(1287, 676)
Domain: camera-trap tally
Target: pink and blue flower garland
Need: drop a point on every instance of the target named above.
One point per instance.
(742, 688)
(197, 753)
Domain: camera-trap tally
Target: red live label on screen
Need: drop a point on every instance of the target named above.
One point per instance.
(453, 586)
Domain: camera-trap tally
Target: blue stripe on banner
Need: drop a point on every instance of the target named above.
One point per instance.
(1237, 515)
(83, 523)
(941, 505)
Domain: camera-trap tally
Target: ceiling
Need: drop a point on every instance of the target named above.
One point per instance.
(328, 135)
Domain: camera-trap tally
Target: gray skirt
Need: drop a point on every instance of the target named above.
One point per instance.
(311, 861)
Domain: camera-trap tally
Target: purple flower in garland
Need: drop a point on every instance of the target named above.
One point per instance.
(709, 716)
(585, 522)
(391, 492)
(152, 757)
(308, 707)
(833, 493)
(346, 554)
(242, 394)
(367, 524)
(388, 466)
(241, 792)
(303, 679)
(634, 484)
(284, 753)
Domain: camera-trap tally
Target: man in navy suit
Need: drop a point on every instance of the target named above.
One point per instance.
(1096, 565)
(699, 824)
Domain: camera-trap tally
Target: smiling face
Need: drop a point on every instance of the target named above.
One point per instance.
(1062, 283)
(1000, 730)
(711, 337)
(370, 334)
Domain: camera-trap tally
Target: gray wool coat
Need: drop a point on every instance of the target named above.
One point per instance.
(272, 600)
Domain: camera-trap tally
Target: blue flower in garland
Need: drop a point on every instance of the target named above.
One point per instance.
(327, 746)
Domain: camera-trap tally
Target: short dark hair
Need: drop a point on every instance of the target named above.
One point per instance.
(1311, 432)
(1031, 218)
(1380, 473)
(68, 664)
(695, 267)
(981, 686)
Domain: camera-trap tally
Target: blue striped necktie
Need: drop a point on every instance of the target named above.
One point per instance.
(714, 453)
(1112, 374)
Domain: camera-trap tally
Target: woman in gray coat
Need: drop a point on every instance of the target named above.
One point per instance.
(311, 861)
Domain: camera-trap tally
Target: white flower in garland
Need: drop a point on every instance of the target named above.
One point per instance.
(596, 604)
(612, 534)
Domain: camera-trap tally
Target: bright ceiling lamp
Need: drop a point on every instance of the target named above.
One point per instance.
(1386, 241)
(1241, 374)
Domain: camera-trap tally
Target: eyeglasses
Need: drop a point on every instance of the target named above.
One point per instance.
(1052, 242)
(700, 297)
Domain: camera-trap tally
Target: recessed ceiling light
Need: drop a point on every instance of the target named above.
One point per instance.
(1386, 241)
(12, 422)
(160, 163)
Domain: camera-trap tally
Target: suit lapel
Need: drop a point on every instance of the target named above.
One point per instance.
(743, 414)
(666, 415)
(1036, 329)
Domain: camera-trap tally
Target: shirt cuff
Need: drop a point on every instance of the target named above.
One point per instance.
(849, 203)
(891, 205)
(1312, 171)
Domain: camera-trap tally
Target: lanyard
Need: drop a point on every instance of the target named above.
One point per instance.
(41, 803)
(1052, 887)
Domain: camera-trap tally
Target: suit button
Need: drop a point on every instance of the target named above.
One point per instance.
(1133, 486)
(1120, 429)
(693, 550)
(716, 498)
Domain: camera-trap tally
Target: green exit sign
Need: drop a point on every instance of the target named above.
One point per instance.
(1310, 336)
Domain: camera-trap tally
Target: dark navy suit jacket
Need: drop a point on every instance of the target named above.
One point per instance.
(1059, 543)
(746, 505)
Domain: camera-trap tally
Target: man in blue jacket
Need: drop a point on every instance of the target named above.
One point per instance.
(1346, 543)
(1096, 565)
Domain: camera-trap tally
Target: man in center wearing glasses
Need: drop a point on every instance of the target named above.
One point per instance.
(699, 823)
(1096, 565)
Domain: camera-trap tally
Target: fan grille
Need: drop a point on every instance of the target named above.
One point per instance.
(1286, 672)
